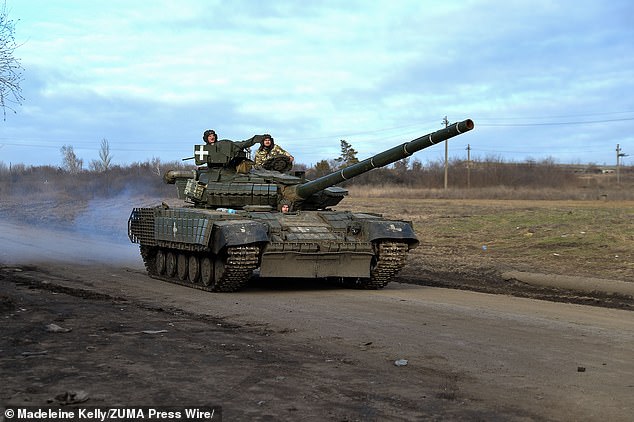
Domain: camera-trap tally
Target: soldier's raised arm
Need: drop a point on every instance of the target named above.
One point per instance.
(248, 143)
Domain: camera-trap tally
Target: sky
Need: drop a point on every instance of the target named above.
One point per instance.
(542, 80)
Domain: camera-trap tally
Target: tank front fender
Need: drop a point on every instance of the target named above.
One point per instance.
(237, 232)
(396, 230)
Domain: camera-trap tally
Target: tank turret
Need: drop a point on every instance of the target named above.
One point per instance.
(227, 177)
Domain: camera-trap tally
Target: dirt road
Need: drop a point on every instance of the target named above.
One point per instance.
(290, 351)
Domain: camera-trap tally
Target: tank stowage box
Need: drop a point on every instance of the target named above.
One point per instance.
(237, 219)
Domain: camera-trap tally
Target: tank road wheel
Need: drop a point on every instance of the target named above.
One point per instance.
(193, 268)
(181, 266)
(159, 263)
(170, 264)
(206, 271)
(219, 272)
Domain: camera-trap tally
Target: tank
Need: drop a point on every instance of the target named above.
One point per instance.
(237, 220)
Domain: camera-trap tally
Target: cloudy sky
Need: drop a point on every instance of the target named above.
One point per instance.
(541, 79)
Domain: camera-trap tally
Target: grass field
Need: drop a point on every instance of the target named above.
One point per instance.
(583, 238)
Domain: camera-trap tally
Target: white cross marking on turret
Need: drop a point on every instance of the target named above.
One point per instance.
(201, 152)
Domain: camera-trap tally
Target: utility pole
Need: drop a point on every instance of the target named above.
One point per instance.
(619, 154)
(468, 166)
(446, 122)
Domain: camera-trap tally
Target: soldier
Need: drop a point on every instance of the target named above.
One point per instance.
(239, 156)
(268, 149)
(285, 206)
(209, 136)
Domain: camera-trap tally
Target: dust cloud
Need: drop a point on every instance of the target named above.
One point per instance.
(86, 232)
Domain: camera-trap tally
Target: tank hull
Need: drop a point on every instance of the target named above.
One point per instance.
(217, 251)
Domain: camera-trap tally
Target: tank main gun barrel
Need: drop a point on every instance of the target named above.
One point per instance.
(382, 159)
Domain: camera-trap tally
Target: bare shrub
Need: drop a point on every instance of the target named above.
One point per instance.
(46, 181)
(492, 179)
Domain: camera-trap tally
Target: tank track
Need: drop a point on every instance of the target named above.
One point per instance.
(239, 263)
(391, 258)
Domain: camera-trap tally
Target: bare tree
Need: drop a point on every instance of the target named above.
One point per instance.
(105, 158)
(10, 68)
(155, 163)
(71, 162)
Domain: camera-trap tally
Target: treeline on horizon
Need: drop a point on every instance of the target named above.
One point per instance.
(145, 178)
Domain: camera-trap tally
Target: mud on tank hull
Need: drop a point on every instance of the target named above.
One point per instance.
(216, 251)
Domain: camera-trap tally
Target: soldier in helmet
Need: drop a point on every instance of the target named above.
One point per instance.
(209, 136)
(285, 206)
(268, 149)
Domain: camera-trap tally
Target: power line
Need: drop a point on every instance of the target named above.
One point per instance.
(500, 124)
(479, 122)
(556, 123)
(533, 151)
(557, 116)
(176, 144)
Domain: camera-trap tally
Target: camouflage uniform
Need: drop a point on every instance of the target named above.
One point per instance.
(263, 154)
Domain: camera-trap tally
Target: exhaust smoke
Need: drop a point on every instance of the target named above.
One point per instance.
(83, 232)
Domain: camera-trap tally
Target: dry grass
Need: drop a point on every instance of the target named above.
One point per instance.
(586, 238)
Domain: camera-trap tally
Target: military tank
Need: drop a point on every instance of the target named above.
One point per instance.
(238, 218)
